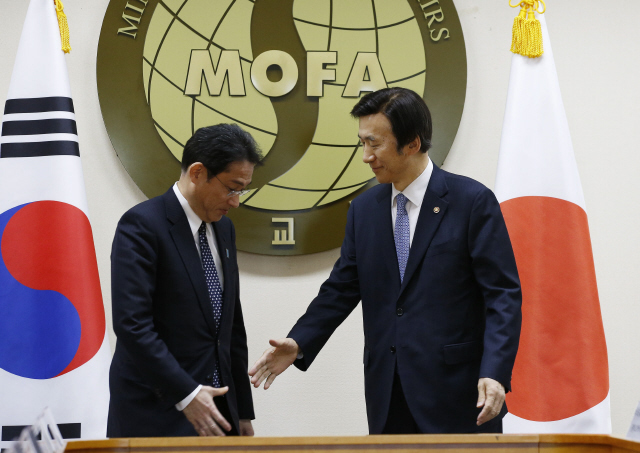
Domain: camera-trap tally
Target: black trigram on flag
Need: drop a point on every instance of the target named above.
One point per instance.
(68, 431)
(39, 127)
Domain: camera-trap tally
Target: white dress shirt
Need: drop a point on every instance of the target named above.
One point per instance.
(415, 194)
(194, 224)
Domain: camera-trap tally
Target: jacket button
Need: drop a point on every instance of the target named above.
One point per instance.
(218, 342)
(399, 311)
(393, 349)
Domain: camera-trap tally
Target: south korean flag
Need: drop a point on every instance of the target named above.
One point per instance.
(54, 351)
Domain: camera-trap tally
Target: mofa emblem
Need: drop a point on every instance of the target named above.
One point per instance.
(288, 72)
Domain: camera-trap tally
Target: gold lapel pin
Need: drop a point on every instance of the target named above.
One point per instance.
(436, 210)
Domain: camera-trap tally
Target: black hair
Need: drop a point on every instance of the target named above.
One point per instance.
(406, 111)
(218, 146)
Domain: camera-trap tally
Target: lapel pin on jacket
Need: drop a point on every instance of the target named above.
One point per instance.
(436, 210)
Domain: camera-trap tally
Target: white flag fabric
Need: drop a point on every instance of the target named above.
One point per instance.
(561, 379)
(53, 346)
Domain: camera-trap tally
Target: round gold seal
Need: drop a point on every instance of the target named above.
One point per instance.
(287, 71)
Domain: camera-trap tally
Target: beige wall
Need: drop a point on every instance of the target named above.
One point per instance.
(596, 47)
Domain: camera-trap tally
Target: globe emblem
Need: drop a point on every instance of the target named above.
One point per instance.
(311, 145)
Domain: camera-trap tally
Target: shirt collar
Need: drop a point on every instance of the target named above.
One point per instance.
(418, 187)
(192, 217)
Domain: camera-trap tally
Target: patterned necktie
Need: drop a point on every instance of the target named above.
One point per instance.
(401, 234)
(213, 284)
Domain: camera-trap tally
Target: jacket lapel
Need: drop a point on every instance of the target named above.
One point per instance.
(183, 240)
(428, 223)
(384, 229)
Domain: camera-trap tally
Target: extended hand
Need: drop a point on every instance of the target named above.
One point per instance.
(203, 413)
(274, 361)
(490, 399)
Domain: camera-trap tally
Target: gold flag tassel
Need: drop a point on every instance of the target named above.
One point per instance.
(64, 26)
(527, 33)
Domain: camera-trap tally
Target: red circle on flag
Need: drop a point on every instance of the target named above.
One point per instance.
(48, 245)
(561, 369)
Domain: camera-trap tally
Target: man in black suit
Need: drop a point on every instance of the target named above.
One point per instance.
(429, 255)
(180, 365)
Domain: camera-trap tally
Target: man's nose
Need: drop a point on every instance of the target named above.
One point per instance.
(234, 201)
(367, 155)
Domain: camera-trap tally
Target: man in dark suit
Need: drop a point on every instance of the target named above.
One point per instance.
(180, 365)
(429, 255)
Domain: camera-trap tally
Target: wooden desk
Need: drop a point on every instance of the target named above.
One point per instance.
(468, 443)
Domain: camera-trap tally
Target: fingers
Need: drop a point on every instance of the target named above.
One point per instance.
(484, 416)
(254, 369)
(206, 426)
(489, 411)
(274, 361)
(204, 415)
(270, 379)
(260, 376)
(220, 420)
(263, 375)
(490, 398)
(481, 394)
(261, 362)
(217, 431)
(210, 428)
(214, 420)
(220, 391)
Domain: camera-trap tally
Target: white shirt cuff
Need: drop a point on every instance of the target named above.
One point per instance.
(185, 402)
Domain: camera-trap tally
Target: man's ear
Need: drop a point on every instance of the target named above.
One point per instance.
(196, 171)
(414, 146)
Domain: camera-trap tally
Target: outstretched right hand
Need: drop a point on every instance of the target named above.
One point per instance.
(203, 413)
(274, 361)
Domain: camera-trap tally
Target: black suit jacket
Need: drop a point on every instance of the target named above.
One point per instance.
(454, 319)
(162, 316)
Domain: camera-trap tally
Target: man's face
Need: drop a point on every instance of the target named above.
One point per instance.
(380, 150)
(211, 197)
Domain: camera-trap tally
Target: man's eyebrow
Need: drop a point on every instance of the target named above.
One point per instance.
(240, 183)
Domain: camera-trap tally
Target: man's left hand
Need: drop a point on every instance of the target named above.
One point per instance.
(245, 428)
(490, 399)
